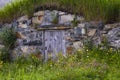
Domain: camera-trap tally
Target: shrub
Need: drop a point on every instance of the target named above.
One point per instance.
(4, 55)
(75, 21)
(8, 37)
(55, 20)
(88, 44)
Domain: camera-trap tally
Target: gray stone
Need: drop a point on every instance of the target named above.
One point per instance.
(61, 13)
(82, 25)
(37, 20)
(7, 25)
(33, 43)
(91, 25)
(84, 28)
(77, 31)
(25, 41)
(20, 35)
(91, 32)
(22, 25)
(39, 34)
(29, 22)
(114, 34)
(19, 42)
(114, 37)
(50, 16)
(100, 25)
(78, 45)
(116, 44)
(23, 18)
(68, 38)
(111, 26)
(1, 46)
(83, 31)
(26, 32)
(66, 18)
(15, 24)
(104, 32)
(24, 49)
(45, 23)
(32, 35)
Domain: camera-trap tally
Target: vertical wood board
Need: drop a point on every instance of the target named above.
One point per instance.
(54, 42)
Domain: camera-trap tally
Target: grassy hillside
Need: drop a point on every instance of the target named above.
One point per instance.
(93, 64)
(106, 10)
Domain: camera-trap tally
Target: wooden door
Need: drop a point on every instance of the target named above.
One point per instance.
(54, 43)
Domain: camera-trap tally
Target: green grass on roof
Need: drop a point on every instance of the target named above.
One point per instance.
(105, 10)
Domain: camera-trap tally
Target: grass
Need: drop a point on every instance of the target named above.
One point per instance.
(95, 64)
(8, 39)
(105, 10)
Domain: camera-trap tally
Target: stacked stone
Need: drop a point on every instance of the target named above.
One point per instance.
(30, 39)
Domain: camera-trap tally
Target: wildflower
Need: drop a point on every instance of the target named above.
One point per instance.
(58, 74)
(111, 49)
(83, 47)
(79, 49)
(87, 50)
(1, 62)
(51, 65)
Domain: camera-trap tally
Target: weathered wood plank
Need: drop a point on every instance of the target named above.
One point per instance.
(54, 28)
(54, 43)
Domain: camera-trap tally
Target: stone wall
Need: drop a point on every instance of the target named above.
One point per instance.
(30, 32)
(29, 40)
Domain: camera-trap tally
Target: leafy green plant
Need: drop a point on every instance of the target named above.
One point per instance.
(88, 44)
(8, 37)
(105, 43)
(55, 20)
(4, 55)
(75, 21)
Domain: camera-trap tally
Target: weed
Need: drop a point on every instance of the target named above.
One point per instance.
(4, 55)
(55, 20)
(8, 37)
(75, 21)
